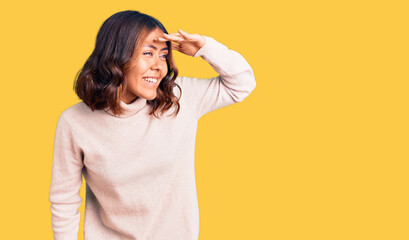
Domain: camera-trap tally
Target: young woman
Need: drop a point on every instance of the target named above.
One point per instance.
(133, 134)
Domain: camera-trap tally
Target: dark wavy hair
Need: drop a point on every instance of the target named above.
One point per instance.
(100, 80)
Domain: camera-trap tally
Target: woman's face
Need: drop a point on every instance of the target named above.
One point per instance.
(147, 69)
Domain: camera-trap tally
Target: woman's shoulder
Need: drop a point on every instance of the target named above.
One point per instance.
(77, 111)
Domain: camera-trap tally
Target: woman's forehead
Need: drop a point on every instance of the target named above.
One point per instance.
(152, 36)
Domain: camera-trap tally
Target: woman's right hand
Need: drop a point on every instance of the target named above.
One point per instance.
(184, 42)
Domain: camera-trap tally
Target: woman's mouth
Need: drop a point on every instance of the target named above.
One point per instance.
(151, 81)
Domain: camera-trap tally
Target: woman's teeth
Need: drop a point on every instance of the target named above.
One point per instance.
(152, 80)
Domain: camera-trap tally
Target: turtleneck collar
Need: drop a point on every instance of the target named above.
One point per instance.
(129, 109)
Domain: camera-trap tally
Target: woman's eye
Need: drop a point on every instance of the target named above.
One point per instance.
(164, 56)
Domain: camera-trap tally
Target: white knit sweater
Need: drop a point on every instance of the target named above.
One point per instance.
(139, 170)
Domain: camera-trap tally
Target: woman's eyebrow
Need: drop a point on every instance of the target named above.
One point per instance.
(151, 46)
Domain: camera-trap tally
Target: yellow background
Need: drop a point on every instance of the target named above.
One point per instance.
(319, 150)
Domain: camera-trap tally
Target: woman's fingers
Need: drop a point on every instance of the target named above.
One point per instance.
(166, 38)
(184, 34)
(161, 39)
(173, 38)
(178, 37)
(174, 34)
(183, 42)
(175, 46)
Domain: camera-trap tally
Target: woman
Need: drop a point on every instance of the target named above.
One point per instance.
(133, 134)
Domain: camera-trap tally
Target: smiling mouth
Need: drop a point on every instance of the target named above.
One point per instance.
(150, 79)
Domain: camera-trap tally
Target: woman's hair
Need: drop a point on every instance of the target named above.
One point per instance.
(100, 80)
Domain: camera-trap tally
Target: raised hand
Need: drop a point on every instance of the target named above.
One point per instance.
(184, 42)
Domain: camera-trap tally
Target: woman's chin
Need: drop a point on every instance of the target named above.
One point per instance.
(151, 97)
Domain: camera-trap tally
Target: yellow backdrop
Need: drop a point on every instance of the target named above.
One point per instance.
(318, 151)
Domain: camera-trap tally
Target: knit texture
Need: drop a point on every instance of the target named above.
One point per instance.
(139, 170)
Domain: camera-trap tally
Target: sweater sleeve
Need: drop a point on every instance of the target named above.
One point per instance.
(235, 82)
(66, 182)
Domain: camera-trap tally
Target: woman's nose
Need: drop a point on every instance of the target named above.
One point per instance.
(156, 65)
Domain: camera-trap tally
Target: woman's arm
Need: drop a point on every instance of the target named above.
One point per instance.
(235, 82)
(66, 182)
